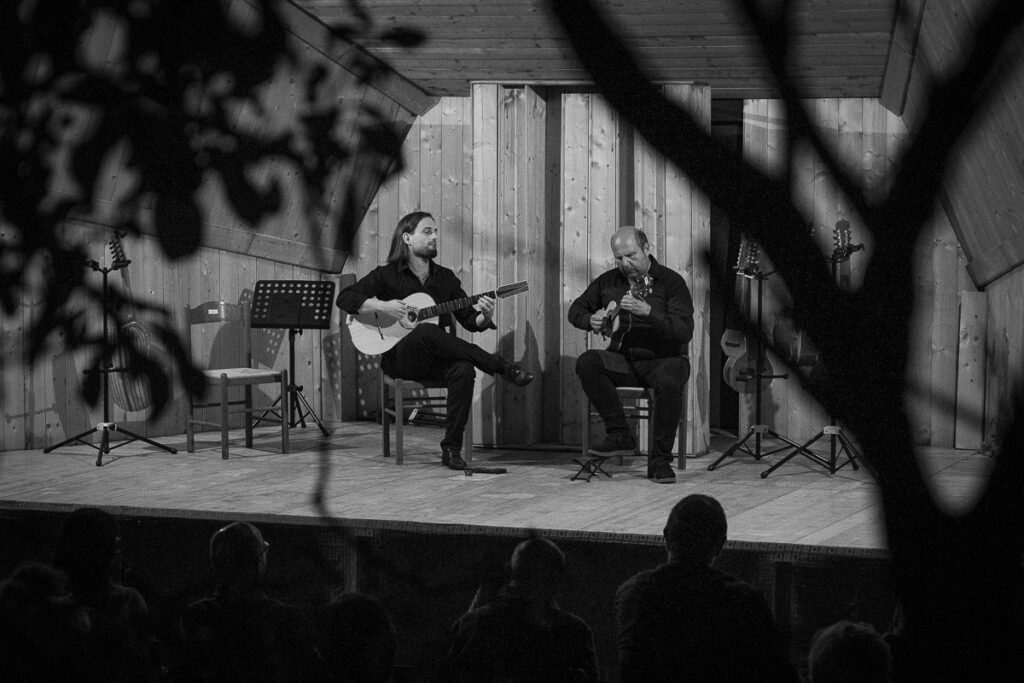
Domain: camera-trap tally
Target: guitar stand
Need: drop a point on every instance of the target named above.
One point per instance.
(838, 442)
(757, 430)
(106, 426)
(295, 305)
(591, 467)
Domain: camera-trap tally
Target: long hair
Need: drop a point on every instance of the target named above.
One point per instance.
(399, 252)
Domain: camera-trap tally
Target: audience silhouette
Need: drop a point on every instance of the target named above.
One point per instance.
(523, 635)
(357, 640)
(88, 551)
(685, 620)
(239, 633)
(43, 633)
(849, 652)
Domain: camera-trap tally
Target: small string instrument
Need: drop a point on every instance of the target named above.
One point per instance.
(616, 327)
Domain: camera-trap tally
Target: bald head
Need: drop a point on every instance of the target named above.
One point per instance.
(631, 251)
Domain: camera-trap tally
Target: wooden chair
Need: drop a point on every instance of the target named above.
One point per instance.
(232, 321)
(639, 405)
(396, 396)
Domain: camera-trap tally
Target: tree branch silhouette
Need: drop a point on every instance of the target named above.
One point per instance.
(958, 574)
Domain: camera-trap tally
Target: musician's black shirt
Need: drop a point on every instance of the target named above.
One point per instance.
(393, 281)
(663, 334)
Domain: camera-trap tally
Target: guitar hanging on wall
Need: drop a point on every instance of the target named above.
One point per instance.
(616, 327)
(128, 393)
(372, 338)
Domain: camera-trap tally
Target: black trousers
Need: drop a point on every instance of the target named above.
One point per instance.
(431, 353)
(601, 371)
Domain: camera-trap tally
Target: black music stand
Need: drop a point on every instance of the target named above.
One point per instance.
(106, 367)
(294, 305)
(757, 430)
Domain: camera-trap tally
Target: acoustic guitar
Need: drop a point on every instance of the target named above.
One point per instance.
(372, 338)
(740, 371)
(615, 327)
(128, 393)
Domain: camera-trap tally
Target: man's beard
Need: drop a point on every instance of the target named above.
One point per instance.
(427, 252)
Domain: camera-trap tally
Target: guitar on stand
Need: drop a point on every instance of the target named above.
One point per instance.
(740, 368)
(130, 396)
(839, 264)
(761, 372)
(372, 338)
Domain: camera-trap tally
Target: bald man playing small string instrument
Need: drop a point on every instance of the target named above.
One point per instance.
(646, 312)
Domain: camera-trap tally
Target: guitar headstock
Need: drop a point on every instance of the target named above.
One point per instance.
(514, 288)
(641, 288)
(749, 255)
(117, 252)
(842, 248)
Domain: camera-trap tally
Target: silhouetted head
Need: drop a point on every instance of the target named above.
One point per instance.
(849, 652)
(538, 562)
(357, 639)
(88, 549)
(238, 552)
(696, 529)
(414, 234)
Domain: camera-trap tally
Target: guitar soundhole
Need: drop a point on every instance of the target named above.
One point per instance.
(413, 315)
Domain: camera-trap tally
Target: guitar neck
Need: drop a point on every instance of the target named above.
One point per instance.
(448, 306)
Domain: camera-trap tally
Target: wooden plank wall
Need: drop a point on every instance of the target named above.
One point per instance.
(983, 177)
(529, 184)
(1004, 339)
(868, 140)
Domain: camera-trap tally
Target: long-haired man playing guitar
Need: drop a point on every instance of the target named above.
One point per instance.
(429, 352)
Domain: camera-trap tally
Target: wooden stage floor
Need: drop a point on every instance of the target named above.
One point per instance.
(799, 505)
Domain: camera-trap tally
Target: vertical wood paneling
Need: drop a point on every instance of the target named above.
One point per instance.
(486, 112)
(576, 243)
(970, 379)
(688, 238)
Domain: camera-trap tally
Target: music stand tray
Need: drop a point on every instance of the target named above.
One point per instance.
(294, 305)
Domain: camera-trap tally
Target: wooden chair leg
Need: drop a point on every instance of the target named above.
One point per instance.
(385, 418)
(286, 404)
(190, 428)
(399, 419)
(224, 417)
(247, 415)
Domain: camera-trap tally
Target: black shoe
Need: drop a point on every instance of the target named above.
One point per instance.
(615, 444)
(452, 459)
(517, 375)
(661, 472)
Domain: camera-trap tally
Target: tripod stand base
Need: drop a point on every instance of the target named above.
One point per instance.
(759, 432)
(299, 408)
(835, 436)
(104, 429)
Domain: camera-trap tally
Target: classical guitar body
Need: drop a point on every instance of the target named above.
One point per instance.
(128, 393)
(373, 336)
